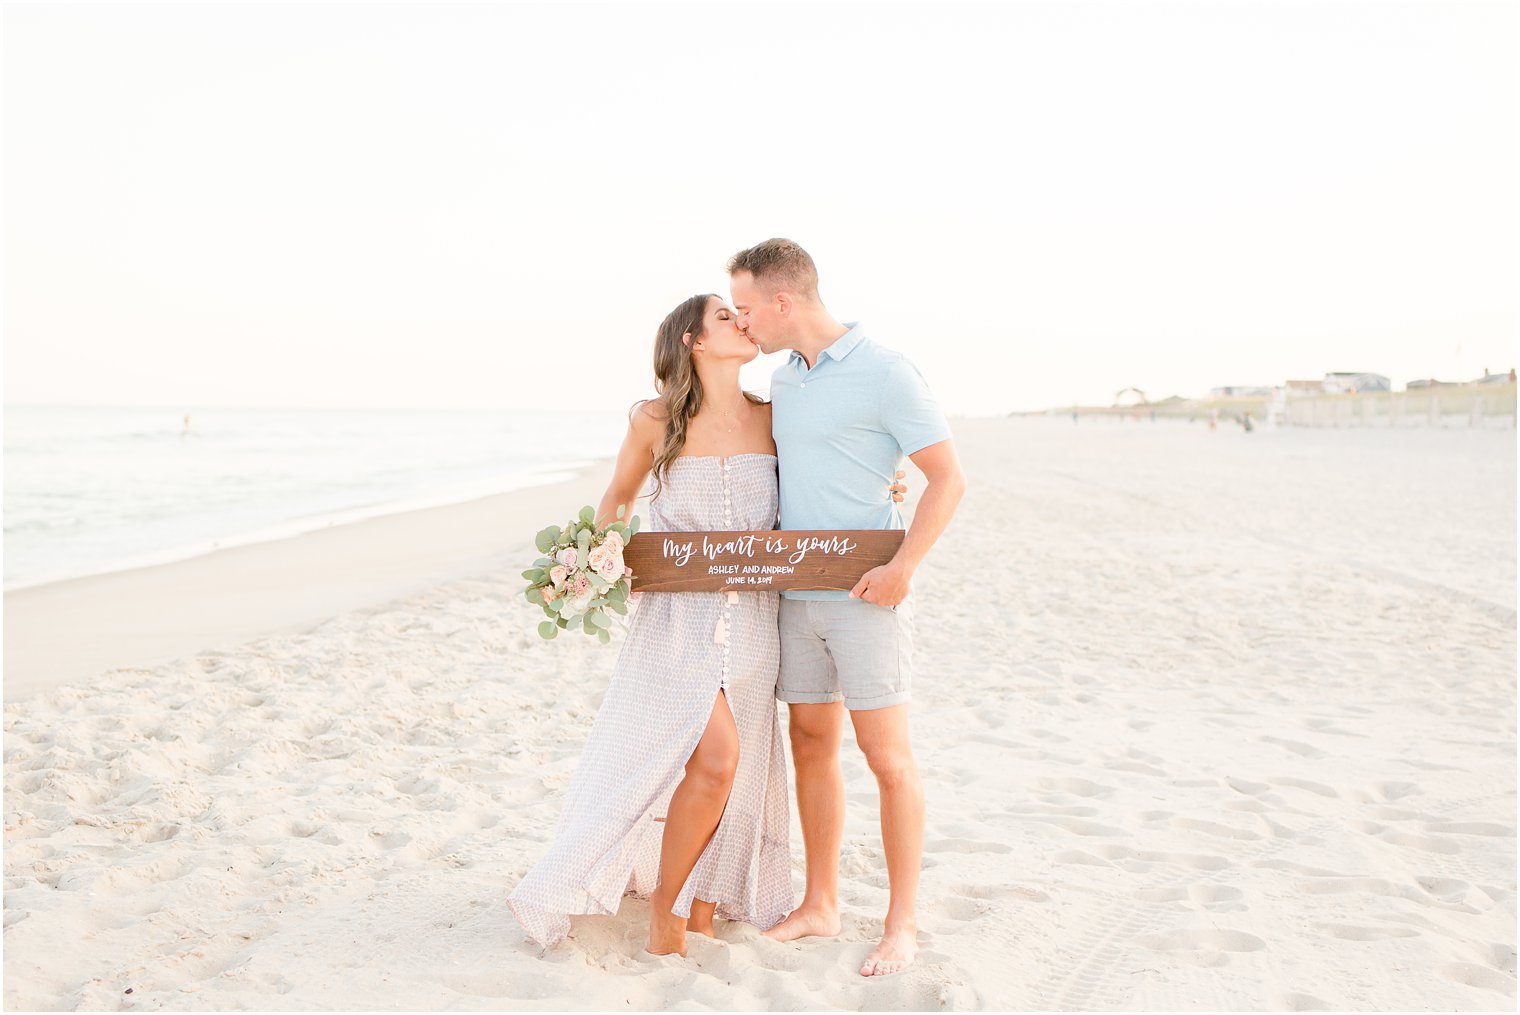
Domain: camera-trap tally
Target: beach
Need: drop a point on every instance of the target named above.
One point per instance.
(1206, 721)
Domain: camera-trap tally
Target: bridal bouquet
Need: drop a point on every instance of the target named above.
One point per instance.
(581, 575)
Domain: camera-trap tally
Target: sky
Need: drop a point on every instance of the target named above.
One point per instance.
(493, 206)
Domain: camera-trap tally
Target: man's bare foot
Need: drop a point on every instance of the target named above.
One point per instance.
(806, 923)
(701, 921)
(894, 954)
(667, 933)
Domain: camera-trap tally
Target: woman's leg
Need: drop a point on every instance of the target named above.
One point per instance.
(693, 816)
(701, 921)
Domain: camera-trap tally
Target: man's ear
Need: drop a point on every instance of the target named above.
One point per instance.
(784, 304)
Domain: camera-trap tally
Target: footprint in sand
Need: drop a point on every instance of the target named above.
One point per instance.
(1351, 932)
(1202, 940)
(1471, 975)
(1293, 1001)
(1214, 898)
(966, 846)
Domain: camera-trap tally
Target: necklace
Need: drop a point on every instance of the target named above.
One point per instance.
(727, 418)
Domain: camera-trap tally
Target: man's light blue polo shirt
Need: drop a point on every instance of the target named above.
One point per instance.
(841, 430)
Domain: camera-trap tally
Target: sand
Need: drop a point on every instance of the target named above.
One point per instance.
(1206, 721)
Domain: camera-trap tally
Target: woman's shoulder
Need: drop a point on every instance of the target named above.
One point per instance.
(649, 414)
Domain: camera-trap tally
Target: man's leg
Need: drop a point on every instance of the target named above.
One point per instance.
(883, 737)
(817, 730)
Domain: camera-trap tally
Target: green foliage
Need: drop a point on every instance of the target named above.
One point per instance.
(608, 597)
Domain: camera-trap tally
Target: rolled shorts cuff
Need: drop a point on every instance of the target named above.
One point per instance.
(880, 701)
(807, 697)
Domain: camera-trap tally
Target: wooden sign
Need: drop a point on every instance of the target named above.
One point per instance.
(767, 561)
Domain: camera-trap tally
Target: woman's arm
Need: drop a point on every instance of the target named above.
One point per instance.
(634, 460)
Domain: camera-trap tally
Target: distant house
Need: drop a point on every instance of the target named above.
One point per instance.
(1489, 378)
(1351, 380)
(1240, 391)
(1296, 388)
(1429, 382)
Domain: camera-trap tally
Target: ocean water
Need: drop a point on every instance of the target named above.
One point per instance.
(96, 489)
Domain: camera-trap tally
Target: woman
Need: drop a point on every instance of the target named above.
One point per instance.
(681, 794)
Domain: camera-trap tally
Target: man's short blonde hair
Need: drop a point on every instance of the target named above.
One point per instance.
(778, 265)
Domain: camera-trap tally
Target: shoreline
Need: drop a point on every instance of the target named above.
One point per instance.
(302, 525)
(77, 629)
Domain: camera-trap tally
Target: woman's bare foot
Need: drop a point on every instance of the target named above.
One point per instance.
(806, 922)
(895, 953)
(667, 932)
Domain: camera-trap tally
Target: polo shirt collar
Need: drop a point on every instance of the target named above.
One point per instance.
(841, 347)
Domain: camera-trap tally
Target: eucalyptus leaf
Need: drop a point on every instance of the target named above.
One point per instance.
(622, 508)
(575, 622)
(588, 515)
(583, 543)
(619, 608)
(604, 637)
(535, 595)
(547, 629)
(599, 619)
(633, 527)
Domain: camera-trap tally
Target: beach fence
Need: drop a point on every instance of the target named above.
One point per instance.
(1474, 406)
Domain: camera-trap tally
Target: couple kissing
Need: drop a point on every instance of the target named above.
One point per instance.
(681, 793)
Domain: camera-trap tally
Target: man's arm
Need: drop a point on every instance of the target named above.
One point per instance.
(945, 484)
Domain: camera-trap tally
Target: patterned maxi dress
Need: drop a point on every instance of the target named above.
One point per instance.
(682, 649)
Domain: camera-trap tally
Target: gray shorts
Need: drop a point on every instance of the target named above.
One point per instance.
(845, 649)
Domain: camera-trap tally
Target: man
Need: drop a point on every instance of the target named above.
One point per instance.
(845, 412)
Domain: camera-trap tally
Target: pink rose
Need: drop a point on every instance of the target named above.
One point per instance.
(614, 541)
(569, 557)
(611, 567)
(579, 586)
(557, 574)
(597, 558)
(628, 573)
(551, 594)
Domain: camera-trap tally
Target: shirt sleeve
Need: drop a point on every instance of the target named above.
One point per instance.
(909, 411)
